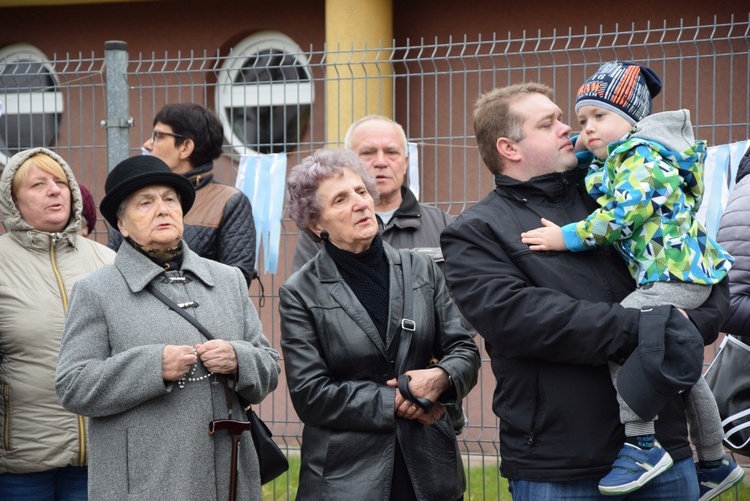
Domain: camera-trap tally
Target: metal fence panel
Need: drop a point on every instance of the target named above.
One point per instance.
(705, 67)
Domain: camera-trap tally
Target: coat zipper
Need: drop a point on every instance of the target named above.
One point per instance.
(64, 296)
(535, 414)
(6, 423)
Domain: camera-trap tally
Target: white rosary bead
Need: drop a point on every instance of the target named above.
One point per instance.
(185, 378)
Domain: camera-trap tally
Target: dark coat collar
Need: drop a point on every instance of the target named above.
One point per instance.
(552, 187)
(201, 176)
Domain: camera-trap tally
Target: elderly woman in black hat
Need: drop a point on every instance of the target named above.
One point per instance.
(148, 379)
(374, 349)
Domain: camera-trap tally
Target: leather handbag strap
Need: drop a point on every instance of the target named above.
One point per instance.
(408, 326)
(164, 299)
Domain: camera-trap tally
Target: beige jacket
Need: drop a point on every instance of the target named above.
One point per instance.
(37, 272)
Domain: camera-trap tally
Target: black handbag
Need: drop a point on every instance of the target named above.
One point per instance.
(729, 379)
(271, 459)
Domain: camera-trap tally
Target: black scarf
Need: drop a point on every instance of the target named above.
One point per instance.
(367, 274)
(169, 259)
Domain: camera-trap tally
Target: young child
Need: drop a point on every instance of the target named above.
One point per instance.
(647, 176)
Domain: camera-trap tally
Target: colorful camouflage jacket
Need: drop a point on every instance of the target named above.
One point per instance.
(649, 189)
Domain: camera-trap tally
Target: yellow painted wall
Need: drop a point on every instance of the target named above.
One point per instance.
(357, 84)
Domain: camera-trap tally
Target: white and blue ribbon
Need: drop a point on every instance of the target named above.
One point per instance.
(412, 171)
(716, 189)
(263, 179)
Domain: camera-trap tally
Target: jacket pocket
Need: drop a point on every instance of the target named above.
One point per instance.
(536, 415)
(6, 416)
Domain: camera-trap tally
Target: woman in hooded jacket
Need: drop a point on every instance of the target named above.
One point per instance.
(43, 450)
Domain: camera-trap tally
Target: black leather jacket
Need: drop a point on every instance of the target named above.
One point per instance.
(336, 366)
(550, 327)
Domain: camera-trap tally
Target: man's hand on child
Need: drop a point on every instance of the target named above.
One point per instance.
(547, 238)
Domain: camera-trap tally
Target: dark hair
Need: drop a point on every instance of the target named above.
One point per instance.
(198, 124)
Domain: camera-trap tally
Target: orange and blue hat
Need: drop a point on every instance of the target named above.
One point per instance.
(622, 87)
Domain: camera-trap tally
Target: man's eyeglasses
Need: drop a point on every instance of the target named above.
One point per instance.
(157, 135)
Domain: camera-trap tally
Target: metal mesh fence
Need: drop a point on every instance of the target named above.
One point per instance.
(276, 97)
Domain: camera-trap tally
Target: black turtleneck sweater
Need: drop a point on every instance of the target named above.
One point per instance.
(367, 275)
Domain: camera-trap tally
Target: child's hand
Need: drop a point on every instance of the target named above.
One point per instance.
(547, 238)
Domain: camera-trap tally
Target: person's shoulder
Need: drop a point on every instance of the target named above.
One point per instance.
(487, 205)
(435, 212)
(219, 187)
(103, 278)
(491, 212)
(12, 252)
(304, 279)
(7, 242)
(217, 193)
(229, 197)
(213, 273)
(423, 267)
(105, 253)
(739, 202)
(216, 268)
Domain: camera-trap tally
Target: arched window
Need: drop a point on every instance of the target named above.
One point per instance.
(264, 94)
(31, 100)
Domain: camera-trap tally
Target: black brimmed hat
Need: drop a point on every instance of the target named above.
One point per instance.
(135, 173)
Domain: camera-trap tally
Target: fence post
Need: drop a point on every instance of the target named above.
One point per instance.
(118, 107)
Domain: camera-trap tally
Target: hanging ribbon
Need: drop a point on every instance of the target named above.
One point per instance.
(412, 171)
(716, 189)
(263, 179)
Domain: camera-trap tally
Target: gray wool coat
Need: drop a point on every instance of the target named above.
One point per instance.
(148, 438)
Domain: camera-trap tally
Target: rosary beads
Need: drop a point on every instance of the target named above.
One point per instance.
(185, 378)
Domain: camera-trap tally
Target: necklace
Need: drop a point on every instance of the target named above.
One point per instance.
(191, 378)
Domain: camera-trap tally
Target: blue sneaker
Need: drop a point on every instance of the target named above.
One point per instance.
(714, 481)
(633, 468)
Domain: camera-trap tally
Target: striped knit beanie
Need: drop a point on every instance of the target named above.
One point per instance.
(622, 87)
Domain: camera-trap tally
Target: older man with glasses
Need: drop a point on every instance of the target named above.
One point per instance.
(188, 138)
